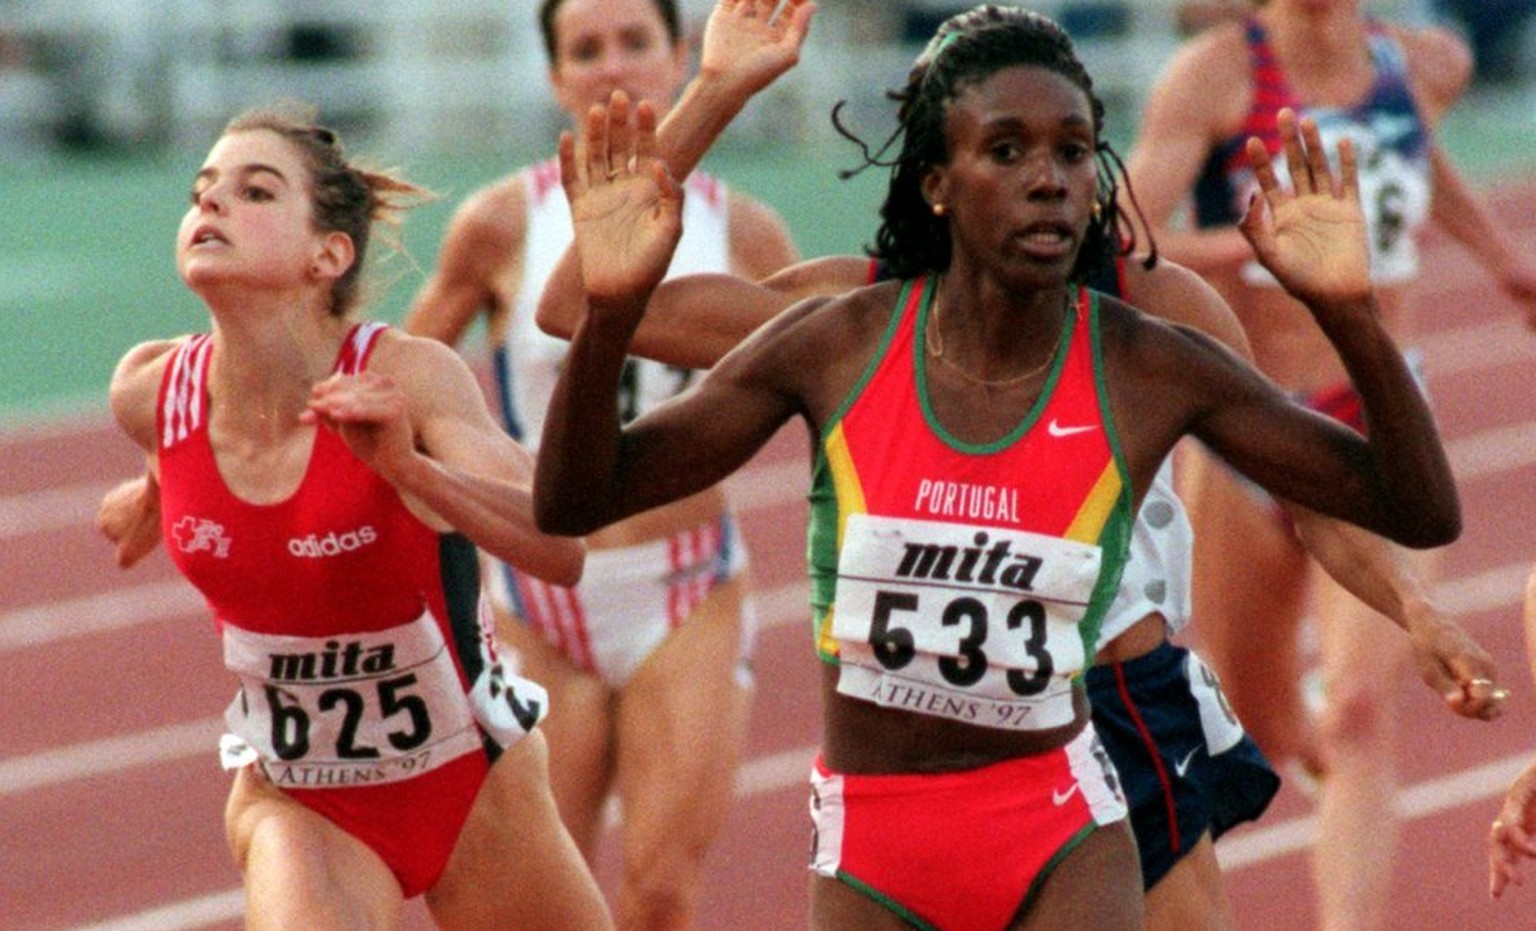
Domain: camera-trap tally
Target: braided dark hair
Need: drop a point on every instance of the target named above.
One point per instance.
(967, 48)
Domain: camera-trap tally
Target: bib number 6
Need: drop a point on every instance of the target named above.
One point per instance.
(895, 646)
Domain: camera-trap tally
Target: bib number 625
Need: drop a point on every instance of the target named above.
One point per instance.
(291, 722)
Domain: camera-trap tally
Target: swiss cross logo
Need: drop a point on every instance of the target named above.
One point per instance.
(196, 534)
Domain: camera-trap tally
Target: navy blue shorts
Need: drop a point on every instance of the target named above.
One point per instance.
(1186, 765)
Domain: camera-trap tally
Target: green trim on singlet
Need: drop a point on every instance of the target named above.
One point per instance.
(878, 357)
(821, 528)
(1063, 349)
(1115, 541)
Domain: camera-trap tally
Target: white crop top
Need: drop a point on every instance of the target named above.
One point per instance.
(1157, 575)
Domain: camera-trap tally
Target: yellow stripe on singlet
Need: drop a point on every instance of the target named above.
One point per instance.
(1089, 523)
(845, 480)
(850, 500)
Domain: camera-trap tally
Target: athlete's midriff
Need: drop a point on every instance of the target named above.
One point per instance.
(1139, 639)
(1288, 345)
(864, 738)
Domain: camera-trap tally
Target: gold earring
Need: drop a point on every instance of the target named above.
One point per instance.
(1098, 211)
(938, 210)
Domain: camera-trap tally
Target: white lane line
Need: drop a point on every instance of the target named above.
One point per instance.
(787, 770)
(1498, 587)
(760, 486)
(51, 510)
(1477, 347)
(780, 606)
(770, 484)
(776, 607)
(1459, 350)
(1489, 452)
(760, 776)
(1473, 457)
(201, 912)
(1257, 845)
(110, 755)
(78, 617)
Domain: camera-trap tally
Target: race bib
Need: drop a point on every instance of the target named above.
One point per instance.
(978, 625)
(352, 709)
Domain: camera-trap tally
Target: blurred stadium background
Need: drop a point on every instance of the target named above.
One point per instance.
(107, 106)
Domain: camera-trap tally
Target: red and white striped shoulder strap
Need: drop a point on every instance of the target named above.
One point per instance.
(184, 392)
(357, 346)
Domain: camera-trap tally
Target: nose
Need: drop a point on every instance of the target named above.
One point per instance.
(1044, 177)
(210, 199)
(613, 69)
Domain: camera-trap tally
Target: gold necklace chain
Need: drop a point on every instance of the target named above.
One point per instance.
(933, 340)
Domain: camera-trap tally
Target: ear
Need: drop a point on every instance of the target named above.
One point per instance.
(333, 256)
(935, 185)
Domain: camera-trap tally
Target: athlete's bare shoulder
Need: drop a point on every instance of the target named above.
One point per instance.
(817, 348)
(494, 216)
(136, 386)
(1174, 293)
(1439, 66)
(1216, 57)
(1147, 346)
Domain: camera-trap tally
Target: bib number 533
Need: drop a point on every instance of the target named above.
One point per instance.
(895, 646)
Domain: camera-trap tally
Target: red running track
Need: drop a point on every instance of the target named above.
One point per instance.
(111, 797)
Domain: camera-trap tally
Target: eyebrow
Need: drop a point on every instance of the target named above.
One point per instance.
(249, 169)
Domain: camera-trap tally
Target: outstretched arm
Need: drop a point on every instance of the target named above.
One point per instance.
(1372, 569)
(626, 211)
(1397, 480)
(746, 48)
(1382, 576)
(417, 417)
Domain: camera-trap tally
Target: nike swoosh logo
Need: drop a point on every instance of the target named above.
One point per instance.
(1182, 766)
(1057, 430)
(1061, 798)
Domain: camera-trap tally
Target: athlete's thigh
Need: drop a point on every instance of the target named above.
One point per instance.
(682, 721)
(1097, 885)
(1363, 652)
(579, 729)
(1250, 593)
(299, 869)
(836, 906)
(515, 865)
(1191, 896)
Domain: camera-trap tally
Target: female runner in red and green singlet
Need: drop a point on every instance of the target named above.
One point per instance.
(959, 589)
